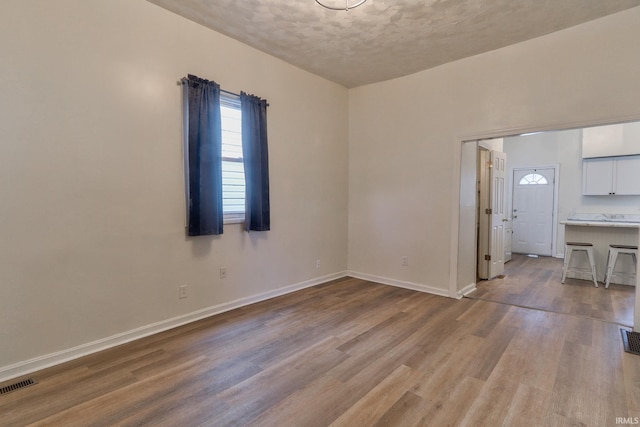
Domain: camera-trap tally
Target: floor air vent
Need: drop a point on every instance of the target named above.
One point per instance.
(17, 386)
(631, 341)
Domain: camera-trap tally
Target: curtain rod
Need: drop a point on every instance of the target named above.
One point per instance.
(185, 80)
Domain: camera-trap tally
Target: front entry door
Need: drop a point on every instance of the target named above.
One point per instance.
(533, 195)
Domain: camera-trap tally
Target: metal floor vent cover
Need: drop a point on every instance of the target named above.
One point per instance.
(631, 341)
(17, 386)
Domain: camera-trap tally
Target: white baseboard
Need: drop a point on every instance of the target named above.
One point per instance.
(466, 290)
(400, 283)
(32, 365)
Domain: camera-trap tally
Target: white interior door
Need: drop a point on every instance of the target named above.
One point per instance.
(497, 213)
(484, 206)
(533, 195)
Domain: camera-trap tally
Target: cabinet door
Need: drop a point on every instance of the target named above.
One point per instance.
(611, 140)
(627, 176)
(603, 141)
(597, 176)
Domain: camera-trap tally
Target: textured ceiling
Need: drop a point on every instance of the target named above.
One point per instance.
(384, 39)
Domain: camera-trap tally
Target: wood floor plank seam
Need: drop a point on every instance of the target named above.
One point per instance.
(548, 311)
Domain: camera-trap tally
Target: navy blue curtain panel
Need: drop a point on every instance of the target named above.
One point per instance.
(204, 151)
(256, 162)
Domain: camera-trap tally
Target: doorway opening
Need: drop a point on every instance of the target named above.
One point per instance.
(541, 152)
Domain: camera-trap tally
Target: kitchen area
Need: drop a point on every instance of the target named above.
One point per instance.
(596, 196)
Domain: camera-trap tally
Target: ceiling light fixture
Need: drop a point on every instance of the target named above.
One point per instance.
(348, 4)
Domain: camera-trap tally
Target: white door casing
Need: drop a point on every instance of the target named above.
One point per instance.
(533, 210)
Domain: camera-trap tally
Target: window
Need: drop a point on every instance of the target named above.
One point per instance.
(233, 181)
(223, 132)
(533, 179)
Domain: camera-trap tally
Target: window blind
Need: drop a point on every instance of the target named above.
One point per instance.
(233, 180)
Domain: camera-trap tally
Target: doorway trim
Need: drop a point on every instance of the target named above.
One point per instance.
(555, 211)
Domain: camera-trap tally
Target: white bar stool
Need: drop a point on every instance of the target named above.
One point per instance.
(569, 249)
(614, 251)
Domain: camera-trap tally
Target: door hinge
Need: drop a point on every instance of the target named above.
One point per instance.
(488, 211)
(487, 257)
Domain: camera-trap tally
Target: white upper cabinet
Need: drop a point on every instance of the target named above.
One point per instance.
(597, 176)
(611, 176)
(627, 175)
(613, 140)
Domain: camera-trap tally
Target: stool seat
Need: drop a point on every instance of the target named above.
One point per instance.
(612, 258)
(579, 244)
(569, 249)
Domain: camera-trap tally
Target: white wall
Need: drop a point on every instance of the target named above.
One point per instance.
(493, 144)
(564, 148)
(405, 137)
(91, 174)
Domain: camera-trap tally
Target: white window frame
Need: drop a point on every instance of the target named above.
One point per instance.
(231, 158)
(533, 179)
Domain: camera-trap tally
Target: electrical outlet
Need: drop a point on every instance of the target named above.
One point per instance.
(317, 263)
(182, 291)
(405, 261)
(223, 273)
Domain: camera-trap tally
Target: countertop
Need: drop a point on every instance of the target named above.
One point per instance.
(601, 224)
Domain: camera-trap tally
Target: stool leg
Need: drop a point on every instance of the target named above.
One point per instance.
(606, 271)
(565, 266)
(593, 266)
(613, 257)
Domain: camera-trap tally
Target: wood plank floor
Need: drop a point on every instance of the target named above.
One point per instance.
(349, 353)
(535, 283)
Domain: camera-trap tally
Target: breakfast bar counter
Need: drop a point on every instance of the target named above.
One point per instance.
(602, 233)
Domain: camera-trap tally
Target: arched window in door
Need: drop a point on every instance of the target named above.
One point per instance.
(533, 179)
